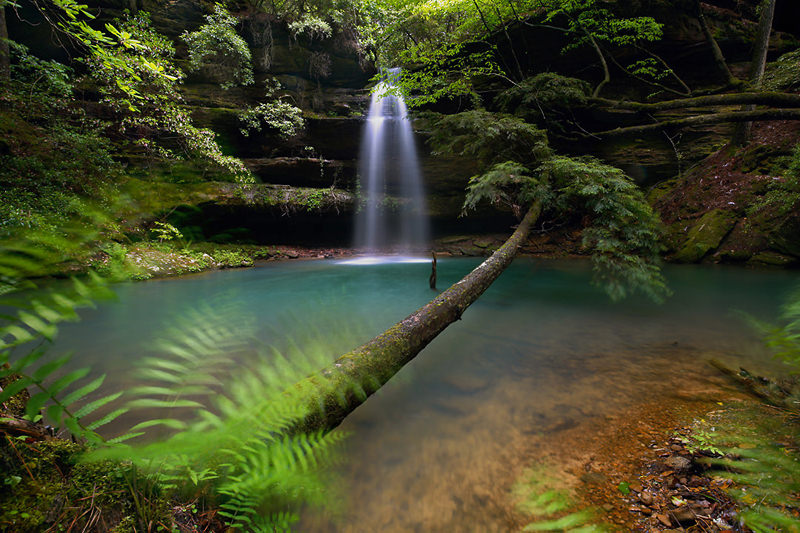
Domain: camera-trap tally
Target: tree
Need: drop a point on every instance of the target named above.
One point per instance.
(757, 66)
(146, 103)
(719, 58)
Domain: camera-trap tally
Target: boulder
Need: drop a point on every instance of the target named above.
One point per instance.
(706, 235)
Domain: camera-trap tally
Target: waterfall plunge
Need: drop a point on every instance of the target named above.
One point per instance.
(389, 170)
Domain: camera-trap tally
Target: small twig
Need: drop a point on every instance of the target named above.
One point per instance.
(21, 460)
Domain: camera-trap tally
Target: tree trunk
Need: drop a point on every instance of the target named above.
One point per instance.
(344, 385)
(603, 63)
(757, 67)
(719, 58)
(5, 53)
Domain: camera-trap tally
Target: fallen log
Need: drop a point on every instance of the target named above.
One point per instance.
(703, 120)
(338, 389)
(774, 99)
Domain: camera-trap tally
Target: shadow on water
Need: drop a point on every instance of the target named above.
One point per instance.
(542, 352)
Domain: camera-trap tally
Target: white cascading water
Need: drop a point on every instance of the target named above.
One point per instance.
(389, 170)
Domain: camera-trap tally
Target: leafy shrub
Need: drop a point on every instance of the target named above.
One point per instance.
(544, 97)
(311, 26)
(624, 232)
(276, 114)
(219, 52)
(620, 228)
(489, 138)
(164, 231)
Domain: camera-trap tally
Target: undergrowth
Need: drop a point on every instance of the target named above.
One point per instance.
(758, 445)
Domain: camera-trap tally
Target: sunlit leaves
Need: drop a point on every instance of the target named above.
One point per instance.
(145, 97)
(216, 49)
(276, 114)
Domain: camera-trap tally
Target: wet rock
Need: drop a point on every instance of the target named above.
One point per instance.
(683, 516)
(771, 259)
(785, 237)
(678, 463)
(664, 519)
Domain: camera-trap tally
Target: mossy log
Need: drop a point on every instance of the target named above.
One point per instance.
(344, 385)
(774, 99)
(780, 393)
(703, 120)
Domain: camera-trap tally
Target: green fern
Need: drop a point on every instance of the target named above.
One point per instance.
(766, 475)
(31, 323)
(543, 496)
(228, 411)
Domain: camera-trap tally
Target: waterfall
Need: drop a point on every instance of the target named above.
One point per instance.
(393, 216)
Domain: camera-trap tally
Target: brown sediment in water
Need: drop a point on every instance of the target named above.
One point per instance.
(461, 479)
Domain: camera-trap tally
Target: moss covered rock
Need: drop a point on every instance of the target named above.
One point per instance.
(772, 259)
(706, 235)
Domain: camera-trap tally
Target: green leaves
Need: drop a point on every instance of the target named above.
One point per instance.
(508, 184)
(489, 138)
(217, 50)
(276, 114)
(624, 232)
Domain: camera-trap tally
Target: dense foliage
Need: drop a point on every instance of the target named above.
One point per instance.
(622, 232)
(154, 119)
(51, 149)
(276, 114)
(219, 52)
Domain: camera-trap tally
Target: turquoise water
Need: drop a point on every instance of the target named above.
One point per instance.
(541, 352)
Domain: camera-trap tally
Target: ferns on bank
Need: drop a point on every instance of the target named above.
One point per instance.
(551, 505)
(758, 446)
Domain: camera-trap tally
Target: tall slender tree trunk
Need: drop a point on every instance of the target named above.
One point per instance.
(5, 52)
(337, 390)
(716, 51)
(757, 67)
